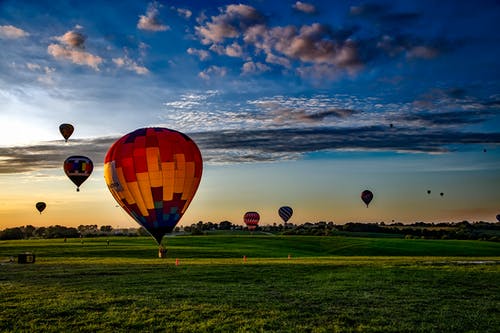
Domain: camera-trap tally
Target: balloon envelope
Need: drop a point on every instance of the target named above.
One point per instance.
(428, 191)
(498, 217)
(40, 206)
(66, 131)
(285, 213)
(367, 197)
(78, 169)
(153, 173)
(251, 219)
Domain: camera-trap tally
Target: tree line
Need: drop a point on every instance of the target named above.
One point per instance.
(446, 230)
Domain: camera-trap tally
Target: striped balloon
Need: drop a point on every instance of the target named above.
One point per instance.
(285, 213)
(78, 169)
(153, 173)
(251, 219)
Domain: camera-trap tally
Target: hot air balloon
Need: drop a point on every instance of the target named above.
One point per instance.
(367, 197)
(40, 206)
(78, 169)
(251, 219)
(153, 173)
(428, 191)
(441, 194)
(285, 213)
(498, 217)
(66, 131)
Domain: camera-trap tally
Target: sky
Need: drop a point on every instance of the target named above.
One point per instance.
(298, 103)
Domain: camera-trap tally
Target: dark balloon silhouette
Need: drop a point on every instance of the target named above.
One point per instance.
(498, 217)
(251, 219)
(391, 125)
(428, 191)
(441, 194)
(78, 169)
(66, 131)
(285, 213)
(367, 197)
(40, 206)
(153, 174)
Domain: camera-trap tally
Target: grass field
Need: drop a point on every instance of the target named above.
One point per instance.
(330, 284)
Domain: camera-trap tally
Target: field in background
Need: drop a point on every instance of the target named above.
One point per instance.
(329, 284)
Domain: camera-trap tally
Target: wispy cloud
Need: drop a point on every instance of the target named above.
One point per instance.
(304, 7)
(151, 21)
(238, 146)
(12, 32)
(129, 64)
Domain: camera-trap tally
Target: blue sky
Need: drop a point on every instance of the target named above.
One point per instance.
(290, 103)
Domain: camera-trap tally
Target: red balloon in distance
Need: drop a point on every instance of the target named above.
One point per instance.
(251, 219)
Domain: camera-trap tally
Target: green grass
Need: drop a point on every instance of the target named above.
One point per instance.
(330, 284)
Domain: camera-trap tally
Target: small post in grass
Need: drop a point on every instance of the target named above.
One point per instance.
(176, 261)
(244, 258)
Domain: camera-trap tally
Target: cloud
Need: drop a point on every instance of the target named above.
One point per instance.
(422, 52)
(186, 13)
(304, 7)
(11, 32)
(151, 21)
(231, 22)
(315, 43)
(201, 54)
(129, 64)
(72, 38)
(237, 146)
(208, 73)
(251, 67)
(76, 56)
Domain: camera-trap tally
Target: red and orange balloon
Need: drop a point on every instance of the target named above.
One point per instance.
(153, 173)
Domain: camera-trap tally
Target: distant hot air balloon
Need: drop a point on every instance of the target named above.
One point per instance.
(367, 197)
(498, 217)
(428, 191)
(66, 131)
(153, 173)
(441, 194)
(251, 219)
(40, 206)
(285, 213)
(78, 169)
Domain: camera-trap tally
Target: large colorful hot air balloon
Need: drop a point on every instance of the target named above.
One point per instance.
(40, 206)
(153, 173)
(367, 197)
(66, 131)
(251, 219)
(285, 213)
(78, 169)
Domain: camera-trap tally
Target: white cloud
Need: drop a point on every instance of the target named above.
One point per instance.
(11, 32)
(76, 56)
(186, 13)
(251, 67)
(202, 54)
(211, 71)
(131, 65)
(304, 7)
(151, 21)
